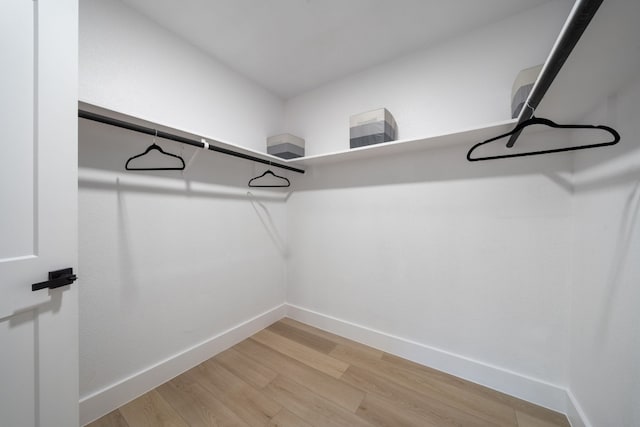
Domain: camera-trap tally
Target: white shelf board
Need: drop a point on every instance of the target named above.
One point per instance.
(469, 136)
(465, 136)
(605, 59)
(180, 132)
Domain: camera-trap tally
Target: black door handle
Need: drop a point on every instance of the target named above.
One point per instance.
(57, 279)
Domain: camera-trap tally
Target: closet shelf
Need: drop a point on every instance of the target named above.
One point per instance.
(467, 136)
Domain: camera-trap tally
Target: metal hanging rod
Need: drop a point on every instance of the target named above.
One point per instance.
(581, 14)
(165, 135)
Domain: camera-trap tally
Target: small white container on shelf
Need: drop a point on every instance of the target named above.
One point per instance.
(522, 87)
(285, 146)
(372, 127)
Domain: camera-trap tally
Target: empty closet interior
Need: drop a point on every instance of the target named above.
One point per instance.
(519, 273)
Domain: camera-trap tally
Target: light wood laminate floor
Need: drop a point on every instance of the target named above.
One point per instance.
(291, 374)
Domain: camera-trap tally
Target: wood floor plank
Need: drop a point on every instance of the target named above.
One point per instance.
(307, 405)
(301, 353)
(252, 406)
(332, 337)
(151, 410)
(330, 388)
(406, 400)
(526, 420)
(303, 337)
(196, 405)
(286, 418)
(543, 414)
(246, 368)
(112, 419)
(378, 412)
(438, 386)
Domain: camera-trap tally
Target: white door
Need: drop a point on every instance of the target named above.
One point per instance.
(38, 212)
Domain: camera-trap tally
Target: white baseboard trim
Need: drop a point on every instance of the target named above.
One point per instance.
(106, 400)
(575, 414)
(530, 389)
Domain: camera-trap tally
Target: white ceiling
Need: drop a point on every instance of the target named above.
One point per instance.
(291, 46)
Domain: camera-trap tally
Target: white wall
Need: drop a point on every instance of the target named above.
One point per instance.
(468, 258)
(168, 262)
(458, 84)
(605, 321)
(131, 65)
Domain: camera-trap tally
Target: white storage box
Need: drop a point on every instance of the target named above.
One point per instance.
(372, 127)
(522, 87)
(285, 146)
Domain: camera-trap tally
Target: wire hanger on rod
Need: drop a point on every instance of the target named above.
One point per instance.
(286, 182)
(546, 122)
(156, 147)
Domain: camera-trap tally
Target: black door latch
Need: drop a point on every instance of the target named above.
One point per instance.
(57, 279)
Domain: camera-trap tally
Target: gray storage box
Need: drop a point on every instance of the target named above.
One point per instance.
(372, 127)
(522, 87)
(285, 146)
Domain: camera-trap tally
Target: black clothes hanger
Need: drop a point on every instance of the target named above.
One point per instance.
(156, 147)
(547, 122)
(269, 172)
